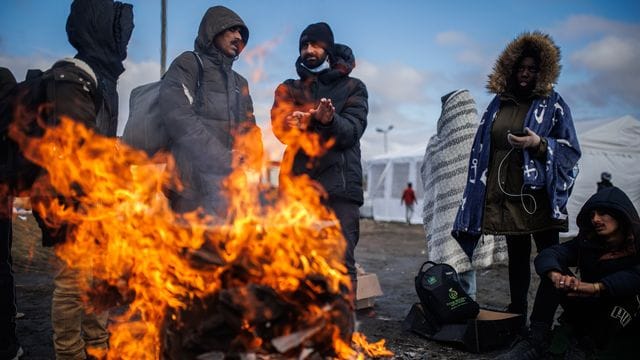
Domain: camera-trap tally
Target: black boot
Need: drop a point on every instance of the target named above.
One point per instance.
(580, 348)
(533, 346)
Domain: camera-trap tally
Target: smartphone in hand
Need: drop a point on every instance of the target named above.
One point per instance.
(518, 133)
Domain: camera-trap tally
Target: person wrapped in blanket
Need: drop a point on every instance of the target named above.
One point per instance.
(523, 161)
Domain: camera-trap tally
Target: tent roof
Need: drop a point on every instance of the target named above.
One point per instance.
(404, 154)
(620, 135)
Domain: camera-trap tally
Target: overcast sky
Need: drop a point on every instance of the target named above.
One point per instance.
(408, 53)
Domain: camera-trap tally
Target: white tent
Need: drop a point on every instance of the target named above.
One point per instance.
(387, 177)
(612, 146)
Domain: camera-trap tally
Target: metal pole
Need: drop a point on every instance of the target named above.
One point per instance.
(385, 141)
(384, 134)
(163, 36)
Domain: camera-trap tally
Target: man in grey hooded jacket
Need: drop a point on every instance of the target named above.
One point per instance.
(205, 106)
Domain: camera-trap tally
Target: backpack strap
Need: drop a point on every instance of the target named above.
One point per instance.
(200, 76)
(426, 263)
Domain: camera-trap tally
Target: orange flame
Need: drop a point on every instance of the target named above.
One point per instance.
(125, 233)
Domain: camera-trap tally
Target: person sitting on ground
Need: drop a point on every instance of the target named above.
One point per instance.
(605, 181)
(605, 301)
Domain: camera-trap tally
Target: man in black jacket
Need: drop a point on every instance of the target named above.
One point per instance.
(604, 301)
(326, 103)
(203, 114)
(9, 346)
(82, 88)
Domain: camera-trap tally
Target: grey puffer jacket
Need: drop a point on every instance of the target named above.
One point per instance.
(339, 170)
(201, 123)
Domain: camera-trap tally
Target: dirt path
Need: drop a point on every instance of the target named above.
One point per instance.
(393, 251)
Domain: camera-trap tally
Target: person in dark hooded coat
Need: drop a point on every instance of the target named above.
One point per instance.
(9, 345)
(82, 88)
(202, 122)
(328, 103)
(605, 300)
(523, 161)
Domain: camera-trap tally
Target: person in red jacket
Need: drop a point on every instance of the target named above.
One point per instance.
(408, 199)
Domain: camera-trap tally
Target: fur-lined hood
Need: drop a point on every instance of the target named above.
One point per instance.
(547, 51)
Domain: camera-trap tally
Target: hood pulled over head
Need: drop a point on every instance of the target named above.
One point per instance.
(216, 20)
(458, 109)
(100, 31)
(546, 53)
(616, 202)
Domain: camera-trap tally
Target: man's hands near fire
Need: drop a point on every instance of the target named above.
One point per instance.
(324, 112)
(299, 120)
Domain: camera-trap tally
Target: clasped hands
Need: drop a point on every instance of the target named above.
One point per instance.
(530, 140)
(323, 113)
(572, 285)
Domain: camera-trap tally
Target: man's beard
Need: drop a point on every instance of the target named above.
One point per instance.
(312, 62)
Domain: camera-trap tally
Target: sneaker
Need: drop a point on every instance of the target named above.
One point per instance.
(525, 349)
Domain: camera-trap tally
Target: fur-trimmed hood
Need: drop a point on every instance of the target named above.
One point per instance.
(548, 53)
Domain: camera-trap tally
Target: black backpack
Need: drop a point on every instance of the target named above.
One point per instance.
(16, 171)
(29, 104)
(442, 296)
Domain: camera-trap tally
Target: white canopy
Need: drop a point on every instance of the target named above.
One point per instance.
(387, 177)
(614, 147)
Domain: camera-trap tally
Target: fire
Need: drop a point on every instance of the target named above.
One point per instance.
(271, 271)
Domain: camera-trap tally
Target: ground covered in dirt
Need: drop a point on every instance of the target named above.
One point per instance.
(393, 251)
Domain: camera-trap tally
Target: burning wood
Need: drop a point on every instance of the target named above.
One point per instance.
(268, 279)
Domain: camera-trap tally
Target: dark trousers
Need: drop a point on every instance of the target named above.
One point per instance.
(596, 319)
(519, 250)
(348, 214)
(7, 285)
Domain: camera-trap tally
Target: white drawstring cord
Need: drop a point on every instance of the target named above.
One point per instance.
(522, 194)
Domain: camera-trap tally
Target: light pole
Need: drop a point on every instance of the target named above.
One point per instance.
(163, 36)
(384, 132)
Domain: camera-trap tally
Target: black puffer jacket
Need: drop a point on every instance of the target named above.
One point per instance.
(339, 170)
(84, 88)
(620, 276)
(100, 31)
(201, 122)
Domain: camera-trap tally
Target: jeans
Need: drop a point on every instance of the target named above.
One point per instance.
(408, 212)
(519, 251)
(73, 328)
(7, 284)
